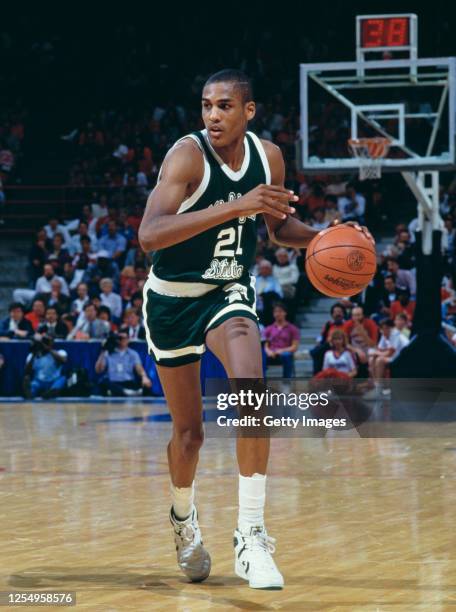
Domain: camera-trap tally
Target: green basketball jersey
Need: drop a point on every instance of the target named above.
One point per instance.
(225, 252)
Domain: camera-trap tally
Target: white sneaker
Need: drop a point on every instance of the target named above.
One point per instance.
(253, 560)
(192, 557)
(374, 394)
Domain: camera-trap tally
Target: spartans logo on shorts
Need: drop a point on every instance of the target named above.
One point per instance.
(355, 260)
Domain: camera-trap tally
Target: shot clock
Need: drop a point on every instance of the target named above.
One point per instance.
(390, 33)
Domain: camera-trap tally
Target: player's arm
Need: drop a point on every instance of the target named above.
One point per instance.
(289, 232)
(183, 169)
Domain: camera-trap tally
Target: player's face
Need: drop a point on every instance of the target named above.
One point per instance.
(225, 114)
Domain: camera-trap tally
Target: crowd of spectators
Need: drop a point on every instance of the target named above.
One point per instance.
(366, 332)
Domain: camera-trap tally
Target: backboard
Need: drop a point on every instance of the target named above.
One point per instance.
(410, 101)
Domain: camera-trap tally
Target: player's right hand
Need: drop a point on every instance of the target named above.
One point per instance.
(270, 199)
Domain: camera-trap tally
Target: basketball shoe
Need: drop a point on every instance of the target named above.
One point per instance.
(192, 557)
(253, 560)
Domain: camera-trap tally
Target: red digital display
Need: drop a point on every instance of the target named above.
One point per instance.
(385, 32)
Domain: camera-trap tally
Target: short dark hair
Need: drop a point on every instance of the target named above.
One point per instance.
(15, 305)
(52, 308)
(240, 80)
(280, 305)
(338, 305)
(105, 309)
(387, 322)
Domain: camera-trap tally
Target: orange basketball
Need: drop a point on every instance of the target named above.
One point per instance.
(340, 261)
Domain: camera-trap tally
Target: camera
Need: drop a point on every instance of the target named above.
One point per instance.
(40, 344)
(111, 342)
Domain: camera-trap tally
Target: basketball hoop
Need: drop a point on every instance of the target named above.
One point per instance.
(370, 152)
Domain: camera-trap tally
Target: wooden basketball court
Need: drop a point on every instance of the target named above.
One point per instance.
(361, 524)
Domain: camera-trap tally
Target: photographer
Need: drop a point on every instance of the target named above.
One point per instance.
(43, 369)
(125, 374)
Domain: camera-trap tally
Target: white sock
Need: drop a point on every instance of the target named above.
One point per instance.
(182, 500)
(252, 496)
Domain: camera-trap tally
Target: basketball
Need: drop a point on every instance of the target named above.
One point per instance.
(340, 261)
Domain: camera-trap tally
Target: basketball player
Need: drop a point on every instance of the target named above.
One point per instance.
(201, 224)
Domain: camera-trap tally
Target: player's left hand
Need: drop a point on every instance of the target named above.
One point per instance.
(356, 225)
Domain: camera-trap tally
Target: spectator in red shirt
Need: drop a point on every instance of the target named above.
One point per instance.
(36, 315)
(337, 321)
(403, 304)
(362, 334)
(358, 319)
(282, 340)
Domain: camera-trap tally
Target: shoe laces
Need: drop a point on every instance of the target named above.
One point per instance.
(260, 540)
(187, 533)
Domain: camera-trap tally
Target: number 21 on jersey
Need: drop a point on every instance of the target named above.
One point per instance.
(227, 238)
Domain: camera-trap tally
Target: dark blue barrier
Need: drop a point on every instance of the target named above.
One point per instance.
(84, 355)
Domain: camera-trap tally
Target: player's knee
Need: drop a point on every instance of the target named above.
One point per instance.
(190, 441)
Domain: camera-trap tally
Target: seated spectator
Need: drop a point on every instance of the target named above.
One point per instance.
(106, 215)
(36, 315)
(38, 254)
(318, 219)
(268, 291)
(136, 301)
(352, 206)
(132, 325)
(314, 199)
(87, 253)
(388, 295)
(82, 292)
(74, 275)
(75, 246)
(52, 326)
(104, 314)
(337, 321)
(113, 242)
(103, 268)
(405, 279)
(282, 341)
(338, 357)
(407, 250)
(69, 320)
(110, 299)
(124, 372)
(403, 305)
(16, 326)
(43, 286)
(390, 345)
(401, 323)
(359, 320)
(90, 327)
(331, 210)
(130, 280)
(44, 369)
(286, 272)
(56, 298)
(124, 228)
(54, 227)
(59, 255)
(362, 334)
(135, 217)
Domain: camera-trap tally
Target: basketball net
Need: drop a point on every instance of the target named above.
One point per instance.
(370, 152)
